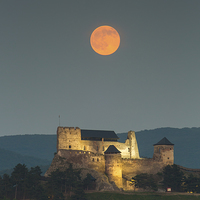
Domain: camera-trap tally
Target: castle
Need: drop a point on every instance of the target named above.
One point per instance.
(100, 151)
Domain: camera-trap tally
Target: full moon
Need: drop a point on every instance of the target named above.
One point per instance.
(105, 40)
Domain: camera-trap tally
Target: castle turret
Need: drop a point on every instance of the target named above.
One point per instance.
(113, 165)
(164, 151)
(134, 152)
(68, 138)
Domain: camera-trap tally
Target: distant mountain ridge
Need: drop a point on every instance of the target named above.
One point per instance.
(39, 146)
(10, 159)
(35, 150)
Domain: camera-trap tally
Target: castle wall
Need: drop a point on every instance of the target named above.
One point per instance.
(101, 146)
(69, 138)
(132, 167)
(84, 159)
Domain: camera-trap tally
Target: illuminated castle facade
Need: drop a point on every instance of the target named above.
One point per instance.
(100, 151)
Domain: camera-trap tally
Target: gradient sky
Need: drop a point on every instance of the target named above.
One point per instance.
(48, 68)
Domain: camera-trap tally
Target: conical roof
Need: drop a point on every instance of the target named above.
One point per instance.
(164, 141)
(112, 149)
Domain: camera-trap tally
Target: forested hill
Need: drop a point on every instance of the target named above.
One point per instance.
(41, 148)
(186, 144)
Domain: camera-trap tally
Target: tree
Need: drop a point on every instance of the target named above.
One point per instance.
(18, 177)
(33, 185)
(145, 181)
(191, 184)
(60, 182)
(79, 193)
(72, 178)
(88, 182)
(55, 184)
(173, 177)
(6, 186)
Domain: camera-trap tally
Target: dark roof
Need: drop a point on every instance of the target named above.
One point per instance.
(98, 134)
(164, 141)
(112, 149)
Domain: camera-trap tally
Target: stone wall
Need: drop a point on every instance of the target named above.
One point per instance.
(164, 154)
(132, 167)
(68, 138)
(84, 159)
(113, 168)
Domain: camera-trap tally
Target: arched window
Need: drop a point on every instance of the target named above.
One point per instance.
(70, 146)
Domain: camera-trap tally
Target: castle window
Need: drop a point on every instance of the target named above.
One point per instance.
(97, 160)
(70, 146)
(168, 158)
(93, 159)
(128, 149)
(84, 148)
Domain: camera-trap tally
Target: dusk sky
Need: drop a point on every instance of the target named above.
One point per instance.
(48, 68)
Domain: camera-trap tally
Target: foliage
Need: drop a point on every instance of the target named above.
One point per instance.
(79, 193)
(191, 184)
(173, 177)
(88, 182)
(22, 184)
(67, 182)
(145, 181)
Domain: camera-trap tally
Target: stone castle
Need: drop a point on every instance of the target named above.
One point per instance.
(101, 152)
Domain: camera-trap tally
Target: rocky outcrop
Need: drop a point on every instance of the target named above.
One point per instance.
(102, 183)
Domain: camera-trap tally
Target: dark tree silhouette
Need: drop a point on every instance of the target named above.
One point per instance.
(173, 177)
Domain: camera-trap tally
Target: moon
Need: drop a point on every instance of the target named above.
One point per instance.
(105, 40)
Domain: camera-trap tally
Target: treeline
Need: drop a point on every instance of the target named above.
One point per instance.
(29, 184)
(171, 177)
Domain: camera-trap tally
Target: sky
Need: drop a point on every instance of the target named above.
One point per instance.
(48, 68)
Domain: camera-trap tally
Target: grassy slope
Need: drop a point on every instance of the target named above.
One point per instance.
(154, 196)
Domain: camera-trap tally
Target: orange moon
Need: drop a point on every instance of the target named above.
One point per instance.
(105, 40)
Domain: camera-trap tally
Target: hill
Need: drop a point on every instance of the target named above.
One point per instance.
(10, 159)
(39, 146)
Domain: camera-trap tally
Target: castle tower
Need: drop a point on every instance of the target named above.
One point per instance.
(164, 151)
(113, 165)
(134, 152)
(68, 138)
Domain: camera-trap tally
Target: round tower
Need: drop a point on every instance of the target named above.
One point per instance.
(113, 165)
(164, 151)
